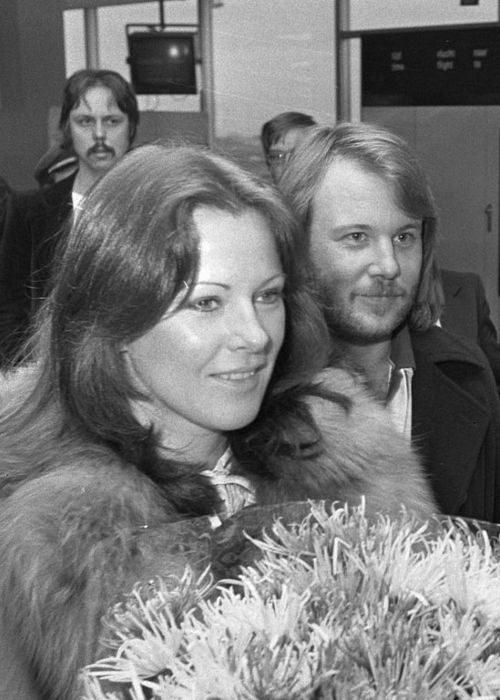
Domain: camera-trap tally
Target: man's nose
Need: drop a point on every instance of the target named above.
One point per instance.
(385, 262)
(99, 131)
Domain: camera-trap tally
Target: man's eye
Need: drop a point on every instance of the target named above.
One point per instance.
(355, 236)
(405, 239)
(277, 156)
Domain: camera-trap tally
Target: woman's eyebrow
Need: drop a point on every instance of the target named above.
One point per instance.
(276, 276)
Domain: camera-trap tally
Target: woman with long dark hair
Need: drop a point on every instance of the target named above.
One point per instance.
(173, 374)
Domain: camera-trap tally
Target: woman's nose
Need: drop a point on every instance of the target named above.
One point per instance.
(248, 332)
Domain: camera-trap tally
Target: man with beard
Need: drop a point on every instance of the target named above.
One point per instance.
(98, 121)
(370, 219)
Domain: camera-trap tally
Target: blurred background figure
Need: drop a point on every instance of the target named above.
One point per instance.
(98, 124)
(280, 135)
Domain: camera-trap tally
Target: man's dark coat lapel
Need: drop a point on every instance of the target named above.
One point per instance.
(452, 421)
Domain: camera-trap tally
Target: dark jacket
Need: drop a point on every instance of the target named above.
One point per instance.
(29, 239)
(5, 203)
(467, 313)
(80, 533)
(456, 423)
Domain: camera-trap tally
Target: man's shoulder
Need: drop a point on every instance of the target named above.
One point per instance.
(27, 198)
(437, 345)
(452, 374)
(59, 192)
(454, 281)
(457, 276)
(5, 188)
(41, 199)
(45, 209)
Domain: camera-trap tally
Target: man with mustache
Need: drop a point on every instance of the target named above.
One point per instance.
(370, 219)
(98, 121)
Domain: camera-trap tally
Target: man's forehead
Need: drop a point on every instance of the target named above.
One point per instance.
(343, 172)
(288, 140)
(85, 101)
(347, 182)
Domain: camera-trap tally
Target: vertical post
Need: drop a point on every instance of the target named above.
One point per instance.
(342, 72)
(207, 66)
(162, 13)
(91, 37)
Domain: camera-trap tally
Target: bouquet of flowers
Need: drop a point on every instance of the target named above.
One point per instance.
(331, 606)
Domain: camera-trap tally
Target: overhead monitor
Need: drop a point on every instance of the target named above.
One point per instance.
(162, 62)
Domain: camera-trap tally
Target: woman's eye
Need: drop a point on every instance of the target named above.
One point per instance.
(208, 304)
(270, 296)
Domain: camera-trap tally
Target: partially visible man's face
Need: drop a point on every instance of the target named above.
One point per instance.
(280, 151)
(366, 253)
(99, 130)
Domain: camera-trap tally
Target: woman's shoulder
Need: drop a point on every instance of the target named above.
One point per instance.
(94, 495)
(49, 468)
(71, 540)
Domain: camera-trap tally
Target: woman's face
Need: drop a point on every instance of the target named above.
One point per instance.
(205, 367)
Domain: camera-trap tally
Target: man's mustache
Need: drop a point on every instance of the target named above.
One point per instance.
(101, 148)
(383, 289)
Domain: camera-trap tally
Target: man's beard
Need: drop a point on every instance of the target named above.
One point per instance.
(347, 325)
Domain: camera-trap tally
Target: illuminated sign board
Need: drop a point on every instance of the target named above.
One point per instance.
(432, 67)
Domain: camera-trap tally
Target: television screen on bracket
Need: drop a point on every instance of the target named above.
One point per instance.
(162, 62)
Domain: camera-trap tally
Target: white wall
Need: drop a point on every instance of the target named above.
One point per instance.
(392, 14)
(271, 57)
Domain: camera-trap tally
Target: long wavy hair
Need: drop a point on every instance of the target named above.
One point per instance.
(132, 251)
(385, 154)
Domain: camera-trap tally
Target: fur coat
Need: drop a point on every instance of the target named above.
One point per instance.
(88, 526)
